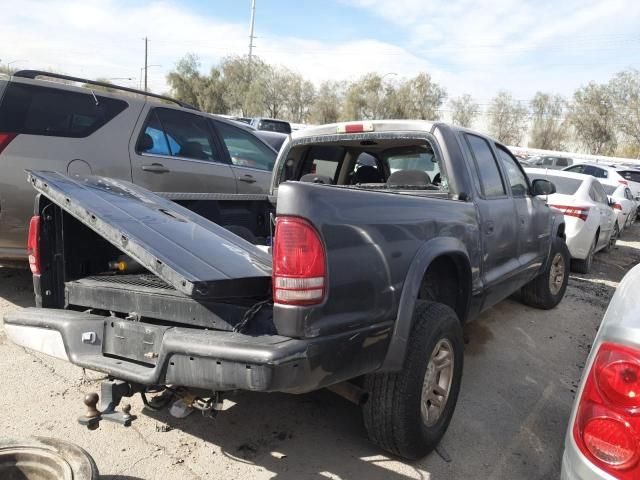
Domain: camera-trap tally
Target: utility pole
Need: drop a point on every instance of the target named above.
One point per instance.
(251, 37)
(145, 63)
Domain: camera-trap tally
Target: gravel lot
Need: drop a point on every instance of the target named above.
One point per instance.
(521, 370)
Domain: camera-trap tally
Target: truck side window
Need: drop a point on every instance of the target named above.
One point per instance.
(486, 166)
(515, 175)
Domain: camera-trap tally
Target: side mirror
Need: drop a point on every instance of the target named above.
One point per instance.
(610, 201)
(540, 186)
(637, 198)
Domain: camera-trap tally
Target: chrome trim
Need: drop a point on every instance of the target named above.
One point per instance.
(184, 159)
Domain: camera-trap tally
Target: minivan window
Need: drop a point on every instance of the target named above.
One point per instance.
(274, 126)
(490, 179)
(562, 162)
(185, 135)
(55, 112)
(245, 149)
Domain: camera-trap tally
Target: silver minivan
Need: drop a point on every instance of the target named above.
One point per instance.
(153, 141)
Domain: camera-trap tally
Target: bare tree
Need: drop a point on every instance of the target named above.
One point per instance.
(549, 130)
(592, 114)
(463, 110)
(507, 119)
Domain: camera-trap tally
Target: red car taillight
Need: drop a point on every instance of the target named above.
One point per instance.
(617, 206)
(607, 421)
(579, 212)
(298, 263)
(5, 140)
(33, 245)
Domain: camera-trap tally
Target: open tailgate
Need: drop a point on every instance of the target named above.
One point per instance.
(196, 256)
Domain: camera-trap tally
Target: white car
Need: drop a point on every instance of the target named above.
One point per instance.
(590, 221)
(602, 441)
(624, 205)
(621, 174)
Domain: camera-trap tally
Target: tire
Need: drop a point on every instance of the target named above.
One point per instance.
(395, 416)
(44, 459)
(584, 266)
(614, 238)
(547, 289)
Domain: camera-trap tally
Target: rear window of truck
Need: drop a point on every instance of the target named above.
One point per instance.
(37, 110)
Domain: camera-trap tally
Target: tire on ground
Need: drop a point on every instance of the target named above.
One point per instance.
(537, 293)
(392, 415)
(584, 266)
(44, 458)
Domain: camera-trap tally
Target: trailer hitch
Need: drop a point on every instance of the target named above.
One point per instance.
(111, 393)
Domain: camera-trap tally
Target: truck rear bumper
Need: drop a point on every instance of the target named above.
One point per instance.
(191, 357)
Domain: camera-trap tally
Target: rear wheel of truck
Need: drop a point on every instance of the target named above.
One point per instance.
(547, 289)
(409, 411)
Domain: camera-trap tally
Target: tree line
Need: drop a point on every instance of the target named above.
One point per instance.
(597, 119)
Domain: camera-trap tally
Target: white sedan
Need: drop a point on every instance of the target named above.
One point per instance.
(624, 205)
(590, 222)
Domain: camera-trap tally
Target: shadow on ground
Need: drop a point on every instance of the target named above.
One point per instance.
(16, 286)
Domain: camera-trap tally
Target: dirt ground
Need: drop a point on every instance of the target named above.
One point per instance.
(522, 367)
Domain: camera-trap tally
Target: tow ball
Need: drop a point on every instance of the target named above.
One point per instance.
(111, 393)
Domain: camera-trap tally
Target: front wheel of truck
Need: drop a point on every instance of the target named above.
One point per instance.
(547, 289)
(409, 411)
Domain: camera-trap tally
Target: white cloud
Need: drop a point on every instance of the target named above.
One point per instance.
(474, 46)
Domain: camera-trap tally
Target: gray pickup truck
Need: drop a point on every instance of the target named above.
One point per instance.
(377, 242)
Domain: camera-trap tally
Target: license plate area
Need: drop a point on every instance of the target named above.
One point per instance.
(136, 341)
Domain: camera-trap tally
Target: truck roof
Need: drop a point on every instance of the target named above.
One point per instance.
(364, 126)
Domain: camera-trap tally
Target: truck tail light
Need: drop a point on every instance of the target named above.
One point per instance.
(579, 212)
(33, 245)
(5, 140)
(299, 271)
(355, 127)
(607, 421)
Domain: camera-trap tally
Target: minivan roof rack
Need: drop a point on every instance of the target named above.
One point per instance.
(40, 73)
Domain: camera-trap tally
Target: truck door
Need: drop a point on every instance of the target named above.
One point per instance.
(176, 151)
(497, 217)
(532, 217)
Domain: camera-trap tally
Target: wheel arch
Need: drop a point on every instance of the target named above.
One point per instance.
(436, 257)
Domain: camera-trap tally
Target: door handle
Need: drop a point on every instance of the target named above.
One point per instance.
(247, 179)
(155, 168)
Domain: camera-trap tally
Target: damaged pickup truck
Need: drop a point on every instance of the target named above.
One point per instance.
(377, 242)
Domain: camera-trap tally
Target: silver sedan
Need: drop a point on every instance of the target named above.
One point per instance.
(603, 438)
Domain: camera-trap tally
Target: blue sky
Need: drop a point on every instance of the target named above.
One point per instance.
(468, 46)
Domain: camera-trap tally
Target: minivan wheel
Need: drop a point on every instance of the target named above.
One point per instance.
(408, 412)
(547, 289)
(41, 458)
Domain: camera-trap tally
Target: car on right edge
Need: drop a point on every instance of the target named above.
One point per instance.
(603, 437)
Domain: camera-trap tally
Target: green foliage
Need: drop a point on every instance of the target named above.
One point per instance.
(594, 119)
(507, 119)
(463, 110)
(549, 130)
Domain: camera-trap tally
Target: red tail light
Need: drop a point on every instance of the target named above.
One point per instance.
(355, 127)
(607, 423)
(298, 263)
(617, 206)
(5, 140)
(33, 245)
(623, 182)
(579, 212)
